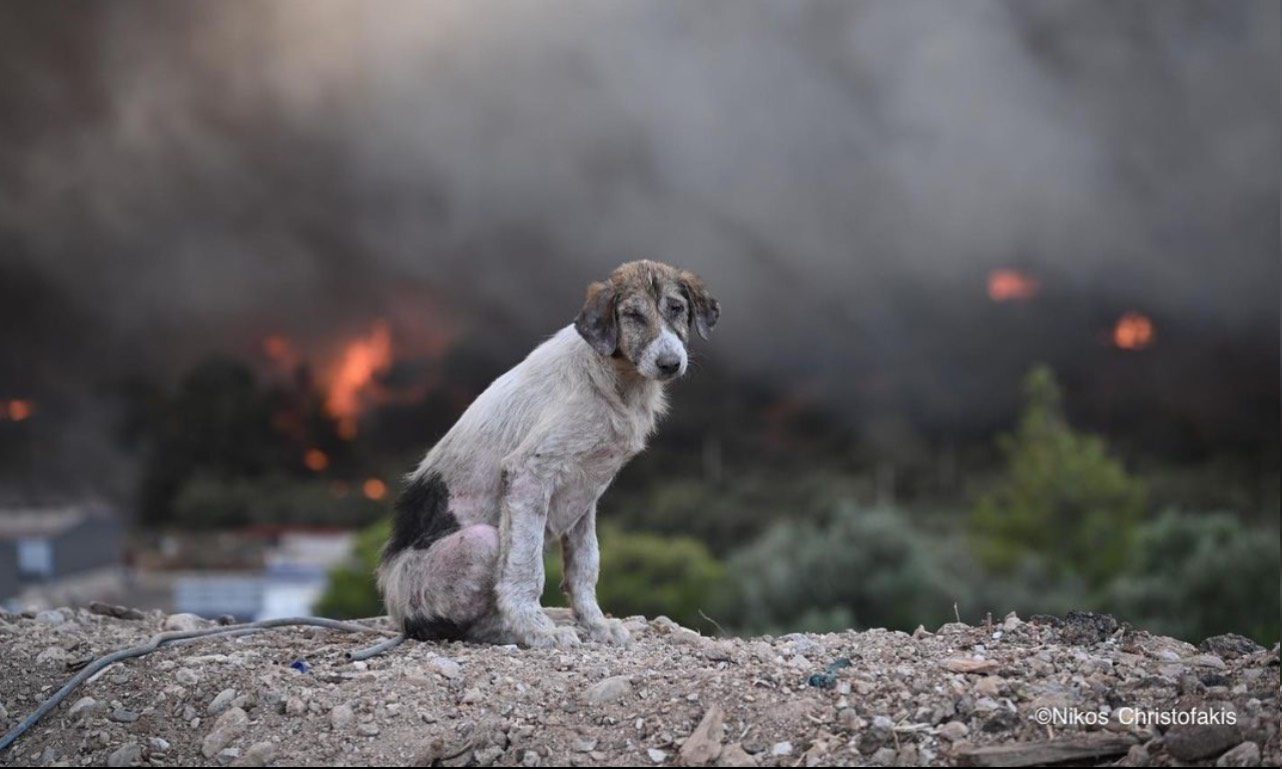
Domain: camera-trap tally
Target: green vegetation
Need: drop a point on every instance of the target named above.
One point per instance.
(352, 592)
(1062, 496)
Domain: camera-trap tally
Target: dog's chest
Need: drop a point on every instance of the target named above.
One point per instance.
(583, 484)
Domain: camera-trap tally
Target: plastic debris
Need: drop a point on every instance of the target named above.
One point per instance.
(828, 678)
(301, 666)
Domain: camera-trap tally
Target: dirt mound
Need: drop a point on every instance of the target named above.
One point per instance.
(961, 695)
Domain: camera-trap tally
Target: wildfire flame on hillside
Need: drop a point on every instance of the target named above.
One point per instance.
(1008, 285)
(1134, 331)
(16, 410)
(361, 360)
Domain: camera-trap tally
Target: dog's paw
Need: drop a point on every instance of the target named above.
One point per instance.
(608, 631)
(548, 637)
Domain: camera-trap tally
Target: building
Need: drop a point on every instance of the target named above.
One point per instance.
(59, 555)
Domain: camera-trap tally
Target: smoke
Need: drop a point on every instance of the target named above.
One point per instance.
(187, 177)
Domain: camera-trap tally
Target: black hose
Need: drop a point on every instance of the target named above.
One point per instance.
(176, 637)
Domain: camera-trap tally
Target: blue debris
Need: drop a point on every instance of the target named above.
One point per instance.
(301, 666)
(828, 678)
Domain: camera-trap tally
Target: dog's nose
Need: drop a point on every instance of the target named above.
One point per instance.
(668, 365)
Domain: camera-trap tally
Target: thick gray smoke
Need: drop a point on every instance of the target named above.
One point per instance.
(176, 178)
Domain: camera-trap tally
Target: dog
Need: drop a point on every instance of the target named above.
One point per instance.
(532, 455)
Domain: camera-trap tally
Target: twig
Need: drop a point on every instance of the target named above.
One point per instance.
(720, 629)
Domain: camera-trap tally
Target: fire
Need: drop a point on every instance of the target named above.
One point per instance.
(374, 489)
(361, 360)
(1134, 331)
(17, 409)
(1008, 285)
(280, 350)
(316, 460)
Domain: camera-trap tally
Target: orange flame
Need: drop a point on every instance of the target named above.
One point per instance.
(362, 359)
(17, 410)
(1007, 285)
(374, 489)
(1134, 331)
(316, 460)
(280, 350)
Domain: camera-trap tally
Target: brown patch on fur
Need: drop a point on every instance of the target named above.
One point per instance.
(624, 314)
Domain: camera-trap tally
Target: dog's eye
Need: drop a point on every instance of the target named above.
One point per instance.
(633, 314)
(676, 310)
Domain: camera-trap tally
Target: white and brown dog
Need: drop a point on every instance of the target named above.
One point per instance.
(533, 453)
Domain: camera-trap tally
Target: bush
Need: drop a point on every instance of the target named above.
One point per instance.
(1193, 576)
(1062, 498)
(648, 574)
(864, 569)
(352, 592)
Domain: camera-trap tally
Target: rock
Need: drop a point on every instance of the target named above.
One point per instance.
(187, 677)
(446, 667)
(126, 755)
(530, 758)
(734, 755)
(1246, 754)
(878, 733)
(989, 686)
(122, 716)
(609, 690)
(221, 702)
(368, 729)
(294, 707)
(184, 623)
(341, 717)
(51, 617)
(84, 705)
(259, 754)
(1199, 741)
(781, 749)
(703, 746)
(111, 610)
(954, 731)
(158, 745)
(883, 757)
(1206, 661)
(970, 665)
(657, 756)
(53, 655)
(1136, 756)
(1084, 628)
(1229, 646)
(230, 725)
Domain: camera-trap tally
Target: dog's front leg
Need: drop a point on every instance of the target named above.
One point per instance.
(520, 579)
(582, 559)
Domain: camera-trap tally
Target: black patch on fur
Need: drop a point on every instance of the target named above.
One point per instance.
(433, 629)
(422, 515)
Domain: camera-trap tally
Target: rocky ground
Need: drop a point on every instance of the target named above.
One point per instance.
(959, 695)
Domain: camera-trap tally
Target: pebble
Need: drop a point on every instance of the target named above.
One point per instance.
(187, 677)
(953, 731)
(1246, 754)
(126, 755)
(184, 623)
(781, 749)
(657, 756)
(221, 702)
(230, 725)
(83, 705)
(123, 716)
(610, 690)
(341, 717)
(446, 667)
(51, 617)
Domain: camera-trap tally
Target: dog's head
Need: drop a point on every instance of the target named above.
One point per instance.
(644, 313)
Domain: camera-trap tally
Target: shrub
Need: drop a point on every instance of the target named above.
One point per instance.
(1062, 497)
(1194, 576)
(648, 574)
(352, 592)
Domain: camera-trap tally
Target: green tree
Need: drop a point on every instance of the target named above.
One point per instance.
(1062, 496)
(352, 592)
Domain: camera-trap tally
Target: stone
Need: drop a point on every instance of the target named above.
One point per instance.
(259, 754)
(51, 617)
(294, 706)
(126, 755)
(187, 677)
(122, 716)
(609, 690)
(446, 667)
(230, 725)
(341, 717)
(1246, 754)
(781, 749)
(703, 746)
(953, 731)
(734, 755)
(1230, 645)
(221, 702)
(84, 705)
(1199, 741)
(657, 756)
(184, 623)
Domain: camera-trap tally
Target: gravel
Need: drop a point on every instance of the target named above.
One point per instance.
(953, 696)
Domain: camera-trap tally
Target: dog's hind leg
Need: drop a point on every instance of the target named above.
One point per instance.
(440, 592)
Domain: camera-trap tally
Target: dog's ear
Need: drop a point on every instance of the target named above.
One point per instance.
(704, 308)
(596, 322)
